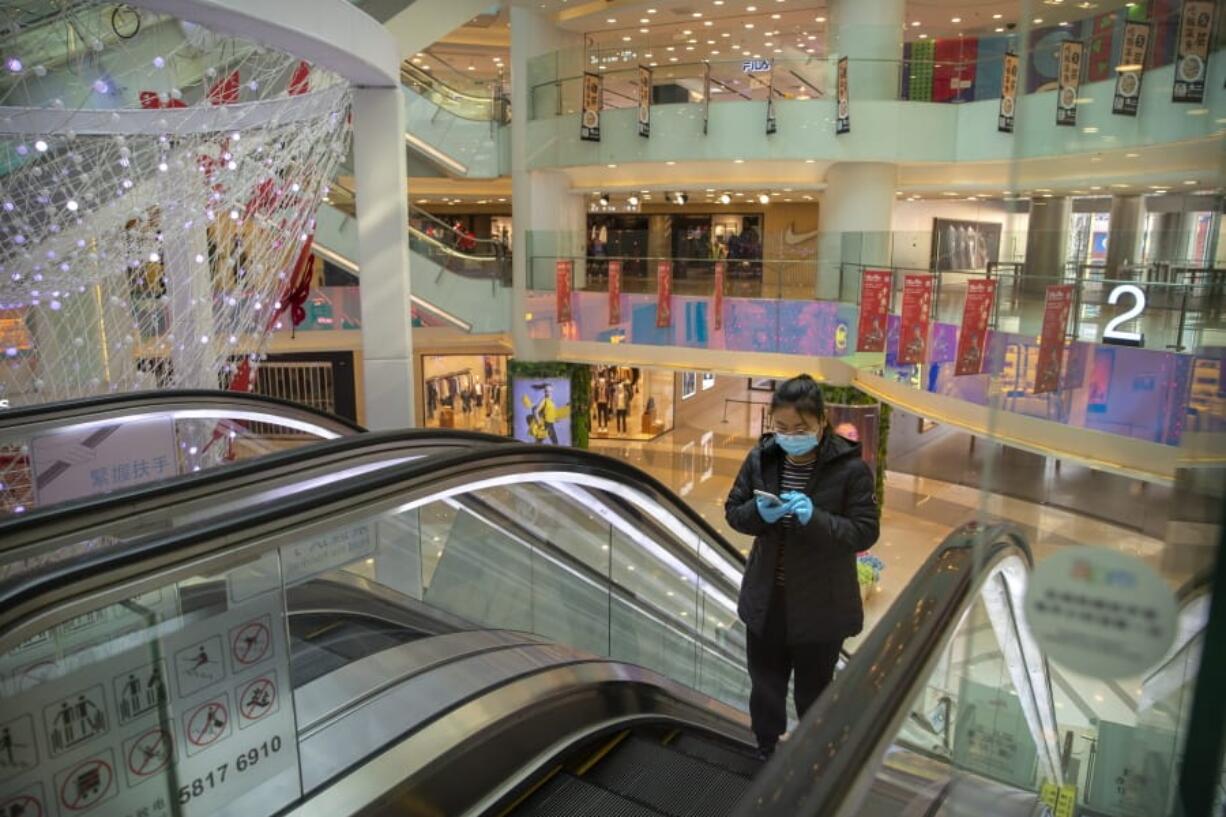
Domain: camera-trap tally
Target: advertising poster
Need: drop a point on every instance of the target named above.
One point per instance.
(664, 296)
(843, 122)
(1070, 80)
(644, 101)
(542, 410)
(562, 288)
(706, 96)
(973, 337)
(874, 309)
(1056, 310)
(593, 101)
(916, 308)
(770, 104)
(1128, 72)
(717, 298)
(1008, 94)
(1195, 28)
(615, 292)
(964, 245)
(859, 424)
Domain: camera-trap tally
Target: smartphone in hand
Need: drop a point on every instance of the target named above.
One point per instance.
(769, 497)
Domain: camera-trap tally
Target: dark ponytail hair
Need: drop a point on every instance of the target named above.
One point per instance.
(801, 393)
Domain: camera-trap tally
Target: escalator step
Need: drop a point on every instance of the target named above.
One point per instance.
(568, 796)
(669, 781)
(719, 754)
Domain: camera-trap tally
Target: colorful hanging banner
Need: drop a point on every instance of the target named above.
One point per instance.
(875, 287)
(843, 123)
(1070, 80)
(1195, 28)
(593, 101)
(1128, 72)
(1050, 363)
(717, 298)
(664, 295)
(1008, 94)
(973, 337)
(706, 96)
(644, 101)
(916, 309)
(615, 292)
(563, 271)
(770, 104)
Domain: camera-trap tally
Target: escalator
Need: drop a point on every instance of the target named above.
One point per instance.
(65, 451)
(466, 288)
(513, 630)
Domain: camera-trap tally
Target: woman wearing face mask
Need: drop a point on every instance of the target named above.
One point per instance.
(800, 596)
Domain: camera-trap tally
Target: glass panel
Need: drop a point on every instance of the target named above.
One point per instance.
(173, 701)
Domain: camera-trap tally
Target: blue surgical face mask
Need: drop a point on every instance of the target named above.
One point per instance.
(797, 445)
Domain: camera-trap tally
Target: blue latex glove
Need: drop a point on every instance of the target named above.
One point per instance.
(769, 511)
(800, 505)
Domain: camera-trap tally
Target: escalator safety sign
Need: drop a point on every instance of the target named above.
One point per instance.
(207, 723)
(257, 699)
(1099, 612)
(250, 643)
(88, 783)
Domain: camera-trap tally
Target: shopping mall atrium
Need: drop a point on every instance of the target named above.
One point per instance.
(655, 408)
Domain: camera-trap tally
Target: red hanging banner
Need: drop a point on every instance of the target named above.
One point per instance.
(562, 288)
(615, 292)
(874, 310)
(973, 337)
(664, 297)
(916, 307)
(1050, 364)
(717, 300)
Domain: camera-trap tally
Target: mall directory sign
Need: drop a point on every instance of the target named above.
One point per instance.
(875, 287)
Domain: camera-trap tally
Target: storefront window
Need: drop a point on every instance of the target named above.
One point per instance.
(631, 404)
(465, 392)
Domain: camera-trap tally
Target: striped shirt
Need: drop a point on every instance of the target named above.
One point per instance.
(794, 478)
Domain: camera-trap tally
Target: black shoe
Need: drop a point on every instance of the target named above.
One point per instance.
(764, 753)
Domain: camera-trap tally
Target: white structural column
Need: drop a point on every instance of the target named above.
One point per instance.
(856, 219)
(549, 220)
(870, 35)
(383, 256)
(858, 204)
(1126, 231)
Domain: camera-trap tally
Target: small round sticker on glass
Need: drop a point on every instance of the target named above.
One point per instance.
(1100, 613)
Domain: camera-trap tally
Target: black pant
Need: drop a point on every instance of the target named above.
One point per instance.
(621, 420)
(771, 663)
(602, 414)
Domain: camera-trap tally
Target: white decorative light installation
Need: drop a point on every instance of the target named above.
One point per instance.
(158, 184)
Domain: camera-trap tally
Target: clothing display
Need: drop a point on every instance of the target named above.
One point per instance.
(469, 397)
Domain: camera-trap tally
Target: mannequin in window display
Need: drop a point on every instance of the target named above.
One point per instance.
(601, 395)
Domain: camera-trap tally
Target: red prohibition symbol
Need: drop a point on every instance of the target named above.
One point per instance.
(251, 643)
(22, 804)
(86, 785)
(208, 723)
(257, 699)
(150, 753)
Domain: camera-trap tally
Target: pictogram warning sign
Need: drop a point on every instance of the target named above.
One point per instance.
(18, 750)
(207, 724)
(250, 643)
(199, 665)
(147, 754)
(75, 720)
(25, 803)
(139, 691)
(88, 783)
(256, 699)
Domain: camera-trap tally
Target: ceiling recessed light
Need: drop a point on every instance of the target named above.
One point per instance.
(751, 8)
(738, 161)
(1038, 21)
(643, 30)
(696, 15)
(819, 19)
(997, 16)
(915, 23)
(749, 25)
(686, 33)
(776, 16)
(810, 161)
(999, 29)
(651, 11)
(1131, 155)
(955, 19)
(923, 36)
(725, 34)
(672, 59)
(611, 20)
(624, 39)
(611, 166)
(708, 23)
(1189, 181)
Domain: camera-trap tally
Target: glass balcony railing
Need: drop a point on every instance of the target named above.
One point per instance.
(456, 94)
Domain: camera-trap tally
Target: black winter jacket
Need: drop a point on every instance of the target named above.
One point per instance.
(823, 589)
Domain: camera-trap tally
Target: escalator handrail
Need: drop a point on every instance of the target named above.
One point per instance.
(97, 571)
(82, 407)
(417, 212)
(838, 740)
(18, 530)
